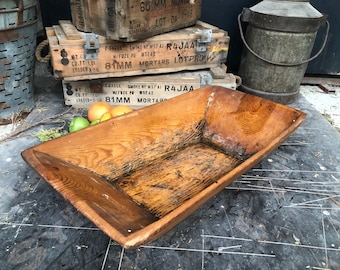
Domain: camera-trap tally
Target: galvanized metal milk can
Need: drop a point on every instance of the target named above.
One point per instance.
(277, 47)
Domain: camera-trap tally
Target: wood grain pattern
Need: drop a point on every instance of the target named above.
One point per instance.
(246, 123)
(141, 91)
(165, 184)
(133, 20)
(138, 175)
(118, 146)
(77, 185)
(69, 29)
(169, 52)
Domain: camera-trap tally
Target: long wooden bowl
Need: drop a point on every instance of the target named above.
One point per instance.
(138, 175)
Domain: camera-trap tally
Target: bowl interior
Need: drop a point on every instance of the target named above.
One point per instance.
(131, 172)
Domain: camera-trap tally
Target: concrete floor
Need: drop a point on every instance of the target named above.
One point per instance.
(282, 214)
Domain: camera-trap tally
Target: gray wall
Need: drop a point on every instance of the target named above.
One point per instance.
(223, 14)
(328, 62)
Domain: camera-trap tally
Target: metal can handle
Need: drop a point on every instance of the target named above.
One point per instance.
(278, 63)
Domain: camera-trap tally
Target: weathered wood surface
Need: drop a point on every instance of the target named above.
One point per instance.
(321, 80)
(140, 91)
(167, 183)
(78, 185)
(188, 149)
(133, 20)
(170, 52)
(243, 125)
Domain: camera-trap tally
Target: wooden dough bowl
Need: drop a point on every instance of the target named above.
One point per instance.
(138, 175)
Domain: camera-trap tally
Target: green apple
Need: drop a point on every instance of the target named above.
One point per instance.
(78, 123)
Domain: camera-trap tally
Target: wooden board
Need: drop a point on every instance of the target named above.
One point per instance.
(184, 49)
(133, 20)
(138, 175)
(140, 91)
(334, 81)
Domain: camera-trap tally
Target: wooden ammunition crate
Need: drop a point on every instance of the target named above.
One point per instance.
(140, 91)
(133, 20)
(82, 56)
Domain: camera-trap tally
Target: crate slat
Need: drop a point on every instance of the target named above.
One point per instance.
(140, 91)
(70, 30)
(171, 52)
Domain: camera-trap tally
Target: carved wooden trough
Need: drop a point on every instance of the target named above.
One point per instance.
(138, 175)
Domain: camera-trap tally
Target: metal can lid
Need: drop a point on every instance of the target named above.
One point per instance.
(296, 9)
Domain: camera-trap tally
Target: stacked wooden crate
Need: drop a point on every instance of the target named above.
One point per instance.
(136, 53)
